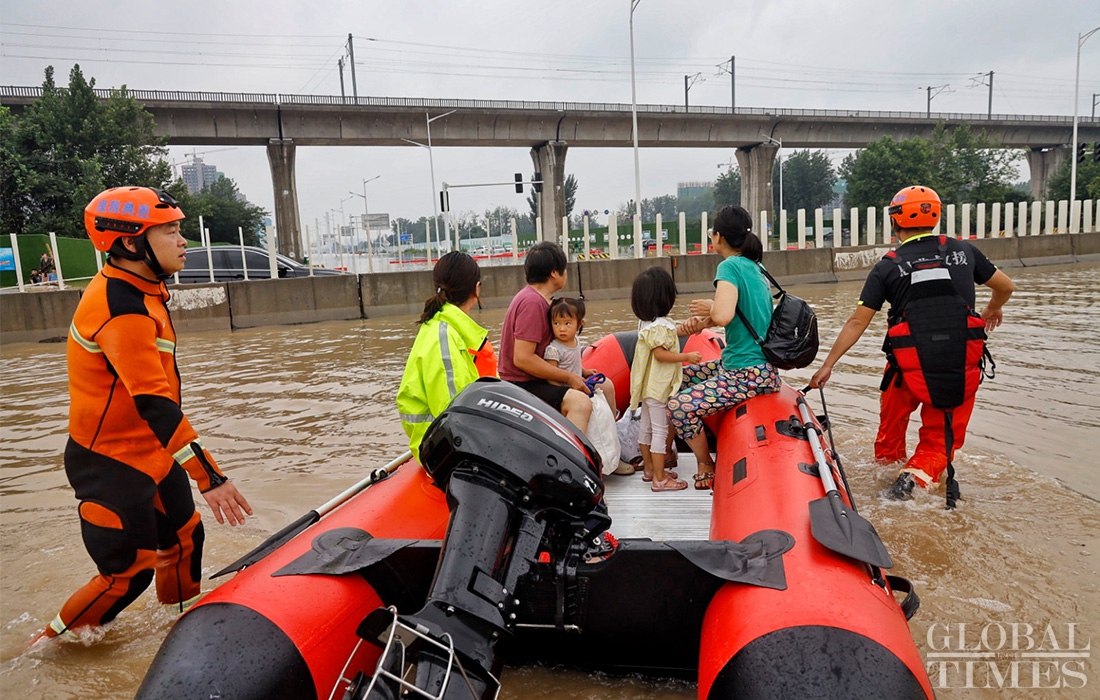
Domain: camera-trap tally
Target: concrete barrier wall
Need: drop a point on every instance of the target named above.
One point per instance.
(695, 273)
(854, 262)
(396, 294)
(44, 315)
(1086, 247)
(610, 279)
(296, 300)
(37, 316)
(801, 266)
(1045, 250)
(200, 308)
(1003, 252)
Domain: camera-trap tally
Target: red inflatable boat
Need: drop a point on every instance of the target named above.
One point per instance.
(429, 581)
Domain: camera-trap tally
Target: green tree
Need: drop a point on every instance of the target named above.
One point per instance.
(665, 205)
(570, 194)
(808, 179)
(223, 211)
(874, 174)
(967, 167)
(68, 146)
(570, 197)
(694, 206)
(727, 188)
(1088, 180)
(961, 165)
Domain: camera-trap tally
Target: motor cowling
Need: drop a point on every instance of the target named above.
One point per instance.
(499, 428)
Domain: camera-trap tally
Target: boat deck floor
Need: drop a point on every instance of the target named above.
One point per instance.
(638, 512)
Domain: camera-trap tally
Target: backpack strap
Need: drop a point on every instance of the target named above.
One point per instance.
(755, 335)
(740, 315)
(771, 279)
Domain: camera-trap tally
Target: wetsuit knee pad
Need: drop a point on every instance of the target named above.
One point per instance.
(106, 536)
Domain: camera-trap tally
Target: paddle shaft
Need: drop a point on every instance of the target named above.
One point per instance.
(823, 469)
(356, 488)
(291, 530)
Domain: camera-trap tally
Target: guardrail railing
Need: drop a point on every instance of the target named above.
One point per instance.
(32, 92)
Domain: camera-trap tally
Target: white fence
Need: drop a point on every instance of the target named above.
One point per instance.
(864, 227)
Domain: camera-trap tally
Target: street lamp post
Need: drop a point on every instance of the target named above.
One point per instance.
(366, 223)
(779, 162)
(431, 165)
(1081, 39)
(637, 168)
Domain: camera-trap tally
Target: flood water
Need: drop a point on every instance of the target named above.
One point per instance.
(296, 414)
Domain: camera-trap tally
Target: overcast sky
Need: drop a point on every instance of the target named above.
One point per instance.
(852, 54)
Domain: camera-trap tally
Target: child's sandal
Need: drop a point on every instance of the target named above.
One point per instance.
(668, 472)
(670, 483)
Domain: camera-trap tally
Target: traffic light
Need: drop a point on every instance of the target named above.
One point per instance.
(519, 183)
(444, 200)
(1096, 152)
(1081, 152)
(538, 182)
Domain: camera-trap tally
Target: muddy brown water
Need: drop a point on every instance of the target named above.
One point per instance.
(295, 414)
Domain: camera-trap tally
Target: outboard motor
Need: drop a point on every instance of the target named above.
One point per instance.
(521, 483)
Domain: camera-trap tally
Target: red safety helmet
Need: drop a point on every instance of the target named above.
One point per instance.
(127, 211)
(915, 207)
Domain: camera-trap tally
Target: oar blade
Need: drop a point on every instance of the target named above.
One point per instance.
(845, 532)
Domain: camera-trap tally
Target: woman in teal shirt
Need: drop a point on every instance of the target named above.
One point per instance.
(742, 372)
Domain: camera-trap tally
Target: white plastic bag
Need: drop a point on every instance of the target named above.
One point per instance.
(627, 430)
(601, 432)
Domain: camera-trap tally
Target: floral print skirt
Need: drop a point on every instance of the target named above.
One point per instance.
(709, 388)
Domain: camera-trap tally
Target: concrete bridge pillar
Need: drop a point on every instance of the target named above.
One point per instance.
(288, 227)
(1043, 163)
(549, 159)
(756, 164)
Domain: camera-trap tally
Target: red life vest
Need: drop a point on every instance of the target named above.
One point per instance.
(936, 343)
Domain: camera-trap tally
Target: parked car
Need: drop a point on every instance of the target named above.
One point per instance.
(227, 264)
(648, 244)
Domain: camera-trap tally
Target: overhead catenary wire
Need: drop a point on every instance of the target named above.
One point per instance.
(389, 56)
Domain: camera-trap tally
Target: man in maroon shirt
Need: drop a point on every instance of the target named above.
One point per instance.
(526, 333)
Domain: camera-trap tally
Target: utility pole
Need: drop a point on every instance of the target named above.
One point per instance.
(990, 113)
(733, 81)
(1094, 96)
(340, 65)
(938, 89)
(351, 58)
(690, 80)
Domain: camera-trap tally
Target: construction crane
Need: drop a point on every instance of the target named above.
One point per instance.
(193, 156)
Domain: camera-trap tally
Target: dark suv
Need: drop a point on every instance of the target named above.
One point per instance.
(228, 263)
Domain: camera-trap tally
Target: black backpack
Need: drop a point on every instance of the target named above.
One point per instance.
(791, 341)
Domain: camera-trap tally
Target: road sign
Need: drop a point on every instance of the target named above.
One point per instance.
(406, 238)
(377, 222)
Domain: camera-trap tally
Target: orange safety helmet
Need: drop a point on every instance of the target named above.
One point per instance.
(915, 207)
(127, 211)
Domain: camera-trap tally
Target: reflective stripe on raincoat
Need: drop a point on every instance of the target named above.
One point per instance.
(441, 364)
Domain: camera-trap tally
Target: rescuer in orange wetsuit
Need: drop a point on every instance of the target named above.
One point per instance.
(130, 448)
